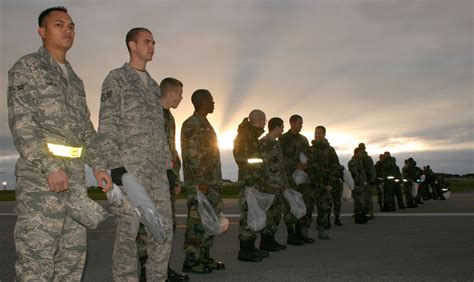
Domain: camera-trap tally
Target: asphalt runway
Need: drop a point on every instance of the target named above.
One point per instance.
(434, 242)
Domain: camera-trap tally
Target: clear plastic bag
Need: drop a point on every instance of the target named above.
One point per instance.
(414, 189)
(303, 158)
(115, 196)
(346, 192)
(147, 212)
(297, 205)
(347, 177)
(258, 203)
(299, 176)
(214, 224)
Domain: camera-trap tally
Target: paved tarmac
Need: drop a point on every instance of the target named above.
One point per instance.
(434, 242)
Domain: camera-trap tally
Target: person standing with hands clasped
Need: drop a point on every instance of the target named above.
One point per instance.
(51, 129)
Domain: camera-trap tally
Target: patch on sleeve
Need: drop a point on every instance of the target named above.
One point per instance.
(106, 96)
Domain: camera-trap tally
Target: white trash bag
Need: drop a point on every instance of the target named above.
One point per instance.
(258, 203)
(303, 158)
(447, 194)
(297, 206)
(145, 208)
(214, 224)
(299, 176)
(346, 193)
(115, 196)
(414, 189)
(347, 177)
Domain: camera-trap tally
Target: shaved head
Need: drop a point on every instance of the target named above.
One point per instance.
(257, 118)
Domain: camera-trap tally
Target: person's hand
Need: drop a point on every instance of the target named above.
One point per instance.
(328, 188)
(102, 176)
(58, 181)
(177, 189)
(203, 187)
(301, 166)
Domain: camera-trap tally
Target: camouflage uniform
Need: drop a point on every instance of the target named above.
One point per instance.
(291, 146)
(131, 127)
(390, 172)
(379, 182)
(173, 179)
(276, 182)
(323, 171)
(336, 194)
(173, 174)
(369, 169)
(357, 169)
(201, 165)
(45, 106)
(409, 176)
(250, 175)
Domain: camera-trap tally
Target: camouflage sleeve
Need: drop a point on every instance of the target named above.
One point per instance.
(109, 120)
(352, 165)
(24, 126)
(240, 153)
(290, 160)
(335, 167)
(176, 163)
(190, 154)
(93, 155)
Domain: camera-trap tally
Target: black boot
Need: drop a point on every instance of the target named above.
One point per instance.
(360, 219)
(175, 276)
(306, 239)
(275, 242)
(293, 238)
(267, 244)
(337, 221)
(248, 251)
(191, 264)
(328, 223)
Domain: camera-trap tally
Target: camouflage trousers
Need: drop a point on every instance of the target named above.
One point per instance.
(323, 204)
(359, 196)
(125, 263)
(336, 194)
(389, 194)
(399, 195)
(368, 198)
(197, 244)
(278, 211)
(407, 186)
(50, 245)
(309, 200)
(245, 233)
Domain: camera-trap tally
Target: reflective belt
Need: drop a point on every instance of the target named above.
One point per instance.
(254, 161)
(65, 151)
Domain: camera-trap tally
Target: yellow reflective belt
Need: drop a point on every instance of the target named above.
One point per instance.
(255, 161)
(65, 151)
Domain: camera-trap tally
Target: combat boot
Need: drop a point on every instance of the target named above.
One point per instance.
(328, 223)
(360, 219)
(175, 276)
(337, 221)
(266, 244)
(292, 238)
(322, 233)
(275, 242)
(246, 253)
(191, 264)
(306, 239)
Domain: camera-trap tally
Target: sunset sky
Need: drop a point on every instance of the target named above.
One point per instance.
(396, 75)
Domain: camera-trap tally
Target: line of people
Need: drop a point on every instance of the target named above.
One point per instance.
(51, 128)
